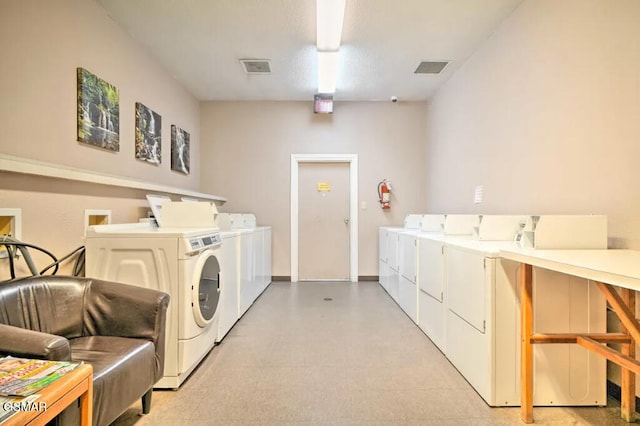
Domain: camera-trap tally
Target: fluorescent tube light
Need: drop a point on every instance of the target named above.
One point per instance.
(329, 19)
(327, 71)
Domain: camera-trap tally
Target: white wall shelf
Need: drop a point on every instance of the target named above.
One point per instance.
(38, 168)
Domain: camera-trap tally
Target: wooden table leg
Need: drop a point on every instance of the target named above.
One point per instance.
(628, 378)
(526, 348)
(86, 405)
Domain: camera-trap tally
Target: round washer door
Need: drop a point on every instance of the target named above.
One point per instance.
(206, 288)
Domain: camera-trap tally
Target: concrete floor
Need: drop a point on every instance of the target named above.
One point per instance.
(334, 354)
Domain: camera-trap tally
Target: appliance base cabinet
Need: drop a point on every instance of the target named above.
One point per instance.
(482, 337)
(394, 284)
(388, 268)
(469, 341)
(408, 298)
(268, 257)
(393, 248)
(383, 275)
(506, 332)
(382, 245)
(564, 303)
(431, 318)
(246, 292)
(407, 258)
(407, 290)
(431, 297)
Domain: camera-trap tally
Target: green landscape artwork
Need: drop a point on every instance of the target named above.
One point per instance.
(98, 112)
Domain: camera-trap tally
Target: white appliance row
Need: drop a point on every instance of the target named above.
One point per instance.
(212, 277)
(446, 273)
(249, 245)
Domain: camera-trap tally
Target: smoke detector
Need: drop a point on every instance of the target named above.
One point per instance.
(256, 66)
(427, 67)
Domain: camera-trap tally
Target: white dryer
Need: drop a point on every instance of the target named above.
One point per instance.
(388, 259)
(261, 252)
(229, 281)
(249, 262)
(247, 284)
(183, 262)
(232, 230)
(411, 245)
(263, 257)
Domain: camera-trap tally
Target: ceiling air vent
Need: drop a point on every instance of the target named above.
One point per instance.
(430, 67)
(256, 66)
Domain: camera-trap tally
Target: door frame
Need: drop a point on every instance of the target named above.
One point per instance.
(352, 159)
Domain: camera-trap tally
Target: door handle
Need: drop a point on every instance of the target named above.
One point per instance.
(346, 221)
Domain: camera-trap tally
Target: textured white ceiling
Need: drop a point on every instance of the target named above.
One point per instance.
(200, 43)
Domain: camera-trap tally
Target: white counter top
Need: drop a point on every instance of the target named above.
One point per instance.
(611, 266)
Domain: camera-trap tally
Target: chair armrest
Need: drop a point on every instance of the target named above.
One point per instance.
(116, 309)
(21, 342)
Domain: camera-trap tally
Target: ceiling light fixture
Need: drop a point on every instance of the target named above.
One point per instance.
(327, 71)
(329, 20)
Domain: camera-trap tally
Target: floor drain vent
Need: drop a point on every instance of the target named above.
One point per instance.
(328, 299)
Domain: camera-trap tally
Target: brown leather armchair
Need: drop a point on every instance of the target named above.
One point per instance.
(117, 328)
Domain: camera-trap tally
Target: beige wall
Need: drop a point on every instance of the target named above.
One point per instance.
(42, 43)
(545, 116)
(53, 213)
(246, 153)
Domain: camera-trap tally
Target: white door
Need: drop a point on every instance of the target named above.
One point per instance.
(323, 218)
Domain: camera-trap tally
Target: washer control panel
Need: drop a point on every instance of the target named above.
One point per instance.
(205, 241)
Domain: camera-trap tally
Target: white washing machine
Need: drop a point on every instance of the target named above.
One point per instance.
(183, 262)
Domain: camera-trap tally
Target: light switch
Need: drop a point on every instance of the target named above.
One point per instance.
(477, 198)
(363, 205)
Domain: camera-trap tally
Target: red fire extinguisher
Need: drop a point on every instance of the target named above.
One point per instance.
(384, 194)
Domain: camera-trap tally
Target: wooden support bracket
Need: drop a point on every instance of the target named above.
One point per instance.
(608, 338)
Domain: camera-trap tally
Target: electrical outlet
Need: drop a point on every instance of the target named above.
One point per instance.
(10, 224)
(96, 217)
